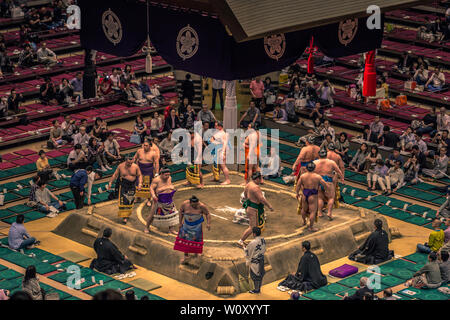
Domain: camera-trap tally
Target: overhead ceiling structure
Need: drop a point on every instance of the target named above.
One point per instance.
(232, 39)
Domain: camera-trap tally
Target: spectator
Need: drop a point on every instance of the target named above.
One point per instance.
(408, 139)
(325, 92)
(328, 139)
(81, 138)
(33, 187)
(46, 200)
(428, 276)
(317, 112)
(342, 146)
(68, 127)
(156, 124)
(18, 237)
(421, 158)
(395, 156)
(34, 20)
(189, 118)
(444, 211)
(273, 168)
(395, 178)
(376, 130)
(205, 115)
(359, 160)
(187, 89)
(55, 139)
(105, 86)
(77, 84)
(27, 57)
(183, 108)
(269, 95)
(166, 146)
(14, 101)
(428, 123)
(327, 129)
(26, 38)
(372, 158)
(44, 171)
(436, 81)
(109, 259)
(112, 148)
(279, 114)
(96, 154)
(435, 240)
(389, 139)
(30, 284)
(387, 294)
(442, 140)
(77, 184)
(217, 88)
(116, 83)
(421, 75)
(127, 74)
(366, 133)
(444, 266)
(46, 17)
(6, 66)
(375, 249)
(360, 294)
(378, 173)
(443, 120)
(440, 165)
(404, 63)
(46, 56)
(48, 92)
(140, 127)
(77, 158)
(257, 91)
(412, 169)
(133, 94)
(172, 122)
(252, 116)
(100, 129)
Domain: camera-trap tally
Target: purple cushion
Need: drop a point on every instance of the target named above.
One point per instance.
(343, 271)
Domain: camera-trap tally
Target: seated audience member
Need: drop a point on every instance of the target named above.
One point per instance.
(428, 123)
(81, 138)
(269, 95)
(366, 133)
(100, 129)
(105, 86)
(6, 65)
(48, 92)
(435, 240)
(421, 158)
(4, 107)
(317, 112)
(96, 154)
(112, 148)
(442, 140)
(389, 139)
(155, 95)
(378, 173)
(189, 118)
(421, 75)
(127, 74)
(44, 171)
(311, 94)
(436, 81)
(412, 169)
(18, 237)
(327, 129)
(46, 56)
(182, 108)
(423, 145)
(14, 101)
(34, 20)
(328, 139)
(372, 158)
(363, 290)
(393, 157)
(172, 122)
(408, 139)
(46, 199)
(394, 178)
(404, 63)
(109, 259)
(206, 115)
(156, 124)
(64, 92)
(290, 110)
(273, 168)
(376, 130)
(252, 116)
(359, 159)
(444, 211)
(30, 284)
(46, 17)
(32, 196)
(27, 57)
(444, 266)
(375, 249)
(342, 146)
(55, 138)
(428, 276)
(325, 92)
(77, 84)
(309, 276)
(145, 89)
(133, 94)
(140, 127)
(442, 120)
(388, 295)
(116, 83)
(68, 127)
(77, 158)
(166, 146)
(440, 165)
(314, 133)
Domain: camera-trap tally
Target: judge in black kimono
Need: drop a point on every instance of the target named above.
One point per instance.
(254, 256)
(109, 259)
(375, 249)
(309, 275)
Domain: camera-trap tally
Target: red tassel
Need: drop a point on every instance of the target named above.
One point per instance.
(310, 69)
(370, 75)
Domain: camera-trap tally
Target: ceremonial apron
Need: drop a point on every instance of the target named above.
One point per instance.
(147, 177)
(260, 221)
(127, 191)
(193, 174)
(190, 236)
(166, 215)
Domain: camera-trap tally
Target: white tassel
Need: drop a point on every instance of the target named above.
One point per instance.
(148, 62)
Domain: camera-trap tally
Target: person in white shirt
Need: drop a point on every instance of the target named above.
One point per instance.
(156, 123)
(273, 168)
(436, 81)
(46, 56)
(328, 129)
(81, 138)
(395, 177)
(443, 120)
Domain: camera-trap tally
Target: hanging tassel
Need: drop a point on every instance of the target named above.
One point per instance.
(370, 75)
(148, 58)
(310, 69)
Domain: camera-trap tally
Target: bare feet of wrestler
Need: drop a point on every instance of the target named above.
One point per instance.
(200, 186)
(312, 229)
(146, 230)
(149, 203)
(124, 220)
(173, 231)
(226, 182)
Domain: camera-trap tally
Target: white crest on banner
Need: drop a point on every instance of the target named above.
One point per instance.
(112, 26)
(347, 30)
(275, 45)
(187, 42)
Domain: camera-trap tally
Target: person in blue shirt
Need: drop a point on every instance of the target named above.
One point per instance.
(18, 237)
(77, 183)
